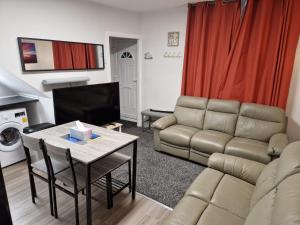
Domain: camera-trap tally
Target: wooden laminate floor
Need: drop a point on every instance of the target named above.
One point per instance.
(141, 211)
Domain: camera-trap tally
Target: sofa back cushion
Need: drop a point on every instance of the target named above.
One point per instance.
(276, 197)
(221, 115)
(280, 206)
(265, 182)
(261, 214)
(286, 209)
(276, 171)
(190, 111)
(289, 162)
(260, 122)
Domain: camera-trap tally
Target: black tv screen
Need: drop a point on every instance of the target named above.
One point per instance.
(97, 104)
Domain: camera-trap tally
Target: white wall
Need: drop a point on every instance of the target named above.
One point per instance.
(4, 91)
(293, 105)
(18, 85)
(63, 20)
(162, 76)
(88, 22)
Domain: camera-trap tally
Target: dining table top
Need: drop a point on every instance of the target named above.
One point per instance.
(105, 141)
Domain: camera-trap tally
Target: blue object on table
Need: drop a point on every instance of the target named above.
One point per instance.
(75, 140)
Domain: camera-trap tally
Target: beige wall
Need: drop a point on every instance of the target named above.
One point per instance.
(293, 105)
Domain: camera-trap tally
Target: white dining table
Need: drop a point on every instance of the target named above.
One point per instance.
(88, 152)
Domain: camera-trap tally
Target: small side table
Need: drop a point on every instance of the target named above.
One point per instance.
(114, 126)
(149, 115)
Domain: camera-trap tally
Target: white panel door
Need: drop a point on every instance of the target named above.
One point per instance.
(128, 84)
(124, 70)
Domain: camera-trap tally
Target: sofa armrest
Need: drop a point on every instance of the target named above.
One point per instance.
(165, 122)
(277, 143)
(243, 169)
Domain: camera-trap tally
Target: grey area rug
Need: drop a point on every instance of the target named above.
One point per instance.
(161, 177)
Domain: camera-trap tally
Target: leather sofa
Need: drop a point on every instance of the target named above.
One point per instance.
(200, 127)
(236, 191)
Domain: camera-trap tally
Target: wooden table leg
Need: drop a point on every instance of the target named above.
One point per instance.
(134, 162)
(88, 196)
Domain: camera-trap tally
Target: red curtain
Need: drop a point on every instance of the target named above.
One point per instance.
(62, 55)
(91, 56)
(249, 58)
(68, 55)
(78, 55)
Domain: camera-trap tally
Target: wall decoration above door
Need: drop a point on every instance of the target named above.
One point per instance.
(52, 55)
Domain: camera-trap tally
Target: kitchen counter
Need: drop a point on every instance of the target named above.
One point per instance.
(12, 101)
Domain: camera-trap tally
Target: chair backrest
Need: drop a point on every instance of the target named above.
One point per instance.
(189, 111)
(276, 197)
(59, 155)
(221, 115)
(260, 122)
(31, 145)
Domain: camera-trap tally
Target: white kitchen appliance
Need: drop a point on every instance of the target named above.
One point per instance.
(12, 123)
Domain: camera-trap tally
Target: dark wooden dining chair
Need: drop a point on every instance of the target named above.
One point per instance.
(72, 181)
(37, 166)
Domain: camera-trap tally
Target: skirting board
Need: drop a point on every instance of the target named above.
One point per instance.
(167, 207)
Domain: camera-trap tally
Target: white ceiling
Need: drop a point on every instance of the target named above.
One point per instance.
(144, 5)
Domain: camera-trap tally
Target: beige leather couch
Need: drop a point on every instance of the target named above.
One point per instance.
(236, 191)
(200, 127)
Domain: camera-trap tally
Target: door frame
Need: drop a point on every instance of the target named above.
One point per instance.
(137, 37)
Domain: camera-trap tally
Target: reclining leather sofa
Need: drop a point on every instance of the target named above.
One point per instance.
(200, 127)
(236, 191)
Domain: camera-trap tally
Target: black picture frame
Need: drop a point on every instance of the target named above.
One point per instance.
(19, 40)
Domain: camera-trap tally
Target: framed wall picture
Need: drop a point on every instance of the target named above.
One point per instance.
(54, 55)
(29, 52)
(173, 39)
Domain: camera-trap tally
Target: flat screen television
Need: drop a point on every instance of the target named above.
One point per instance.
(97, 104)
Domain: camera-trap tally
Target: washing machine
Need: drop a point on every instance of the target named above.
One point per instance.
(12, 123)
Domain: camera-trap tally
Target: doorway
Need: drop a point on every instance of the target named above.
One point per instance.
(124, 69)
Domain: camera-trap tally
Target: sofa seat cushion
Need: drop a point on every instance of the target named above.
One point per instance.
(249, 149)
(178, 135)
(234, 195)
(205, 184)
(210, 141)
(194, 211)
(214, 215)
(223, 191)
(187, 211)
